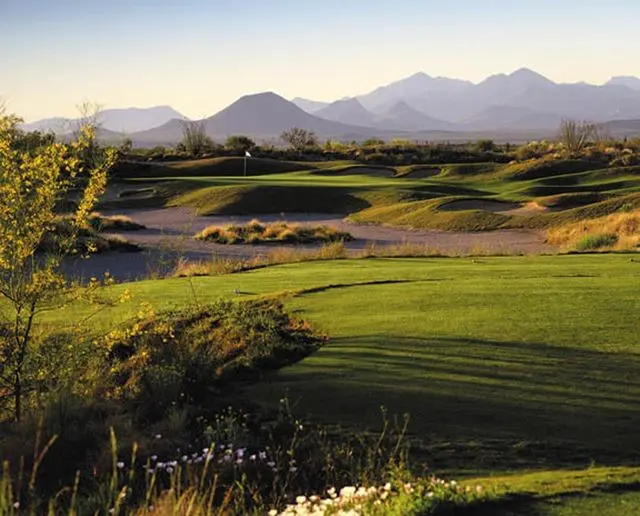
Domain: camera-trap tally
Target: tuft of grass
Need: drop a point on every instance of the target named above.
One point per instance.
(256, 232)
(598, 241)
(113, 223)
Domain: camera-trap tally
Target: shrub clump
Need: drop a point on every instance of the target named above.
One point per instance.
(100, 222)
(255, 232)
(592, 242)
(183, 358)
(62, 239)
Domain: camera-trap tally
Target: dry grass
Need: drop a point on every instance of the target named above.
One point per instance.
(624, 225)
(279, 232)
(223, 265)
(332, 251)
(113, 223)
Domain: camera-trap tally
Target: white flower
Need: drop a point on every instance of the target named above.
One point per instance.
(120, 465)
(185, 458)
(273, 512)
(158, 436)
(293, 469)
(348, 491)
(154, 458)
(252, 457)
(169, 470)
(301, 499)
(262, 455)
(16, 505)
(271, 464)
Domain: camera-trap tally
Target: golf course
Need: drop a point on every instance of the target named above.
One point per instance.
(253, 334)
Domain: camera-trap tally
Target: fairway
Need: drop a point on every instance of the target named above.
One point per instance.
(502, 362)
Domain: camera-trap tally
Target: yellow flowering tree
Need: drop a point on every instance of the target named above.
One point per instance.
(33, 184)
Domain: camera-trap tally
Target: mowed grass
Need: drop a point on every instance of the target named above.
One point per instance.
(572, 190)
(519, 373)
(502, 362)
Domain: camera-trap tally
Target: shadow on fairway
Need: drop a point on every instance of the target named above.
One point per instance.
(475, 403)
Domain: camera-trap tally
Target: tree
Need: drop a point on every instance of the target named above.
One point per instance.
(575, 135)
(239, 143)
(32, 184)
(299, 139)
(195, 140)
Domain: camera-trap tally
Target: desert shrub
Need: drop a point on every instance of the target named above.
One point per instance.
(184, 358)
(277, 232)
(113, 223)
(592, 242)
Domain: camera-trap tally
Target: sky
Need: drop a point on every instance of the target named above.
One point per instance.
(201, 55)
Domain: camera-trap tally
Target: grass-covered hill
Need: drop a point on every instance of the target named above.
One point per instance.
(535, 193)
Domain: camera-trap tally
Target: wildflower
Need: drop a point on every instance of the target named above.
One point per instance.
(154, 458)
(169, 470)
(273, 512)
(252, 457)
(120, 465)
(271, 464)
(158, 436)
(16, 505)
(185, 458)
(348, 491)
(262, 455)
(301, 499)
(293, 469)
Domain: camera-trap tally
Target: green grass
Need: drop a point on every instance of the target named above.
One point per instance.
(506, 362)
(512, 368)
(407, 195)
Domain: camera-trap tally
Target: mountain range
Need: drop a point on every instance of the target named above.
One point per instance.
(128, 120)
(517, 106)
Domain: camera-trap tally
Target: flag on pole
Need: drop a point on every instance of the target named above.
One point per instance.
(246, 154)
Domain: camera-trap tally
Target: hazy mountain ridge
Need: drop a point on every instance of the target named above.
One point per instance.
(420, 106)
(121, 120)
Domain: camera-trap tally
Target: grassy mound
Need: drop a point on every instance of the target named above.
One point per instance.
(224, 166)
(113, 223)
(255, 232)
(256, 199)
(540, 168)
(429, 215)
(87, 240)
(618, 231)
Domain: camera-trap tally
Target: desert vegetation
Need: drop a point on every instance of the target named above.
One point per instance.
(255, 232)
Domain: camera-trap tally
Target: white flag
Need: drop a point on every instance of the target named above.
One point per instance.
(246, 153)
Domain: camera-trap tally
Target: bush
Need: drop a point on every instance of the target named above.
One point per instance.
(592, 242)
(183, 358)
(256, 232)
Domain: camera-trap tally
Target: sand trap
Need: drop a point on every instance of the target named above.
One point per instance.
(479, 204)
(169, 235)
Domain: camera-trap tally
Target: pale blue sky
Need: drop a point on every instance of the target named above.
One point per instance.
(198, 56)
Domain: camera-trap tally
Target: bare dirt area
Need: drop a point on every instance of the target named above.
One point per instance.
(169, 235)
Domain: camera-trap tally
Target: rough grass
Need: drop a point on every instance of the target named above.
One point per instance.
(618, 231)
(256, 232)
(113, 223)
(87, 240)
